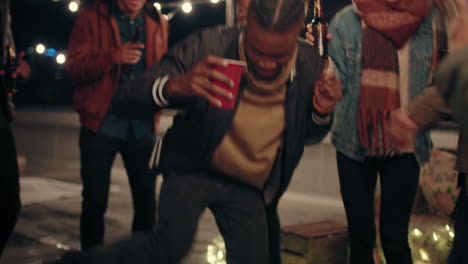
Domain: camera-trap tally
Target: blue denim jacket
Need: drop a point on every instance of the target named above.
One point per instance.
(345, 51)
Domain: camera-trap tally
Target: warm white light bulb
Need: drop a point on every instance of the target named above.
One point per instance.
(187, 7)
(214, 1)
(40, 48)
(424, 255)
(61, 58)
(211, 259)
(73, 6)
(417, 232)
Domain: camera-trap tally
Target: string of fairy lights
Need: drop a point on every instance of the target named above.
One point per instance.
(432, 246)
(428, 247)
(184, 6)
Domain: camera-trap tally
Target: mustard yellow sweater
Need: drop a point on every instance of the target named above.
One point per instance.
(248, 150)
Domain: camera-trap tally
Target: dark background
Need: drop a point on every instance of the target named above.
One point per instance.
(50, 22)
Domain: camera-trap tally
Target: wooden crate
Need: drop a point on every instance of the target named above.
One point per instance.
(324, 242)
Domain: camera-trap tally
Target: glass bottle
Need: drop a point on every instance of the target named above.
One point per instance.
(320, 29)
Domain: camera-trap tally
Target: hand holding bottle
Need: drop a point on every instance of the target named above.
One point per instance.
(327, 91)
(128, 53)
(311, 39)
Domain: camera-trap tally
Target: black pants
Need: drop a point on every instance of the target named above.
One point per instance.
(238, 209)
(97, 156)
(459, 252)
(399, 176)
(9, 186)
(274, 233)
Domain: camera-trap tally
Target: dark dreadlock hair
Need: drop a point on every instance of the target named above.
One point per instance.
(278, 15)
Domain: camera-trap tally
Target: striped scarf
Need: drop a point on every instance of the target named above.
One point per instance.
(384, 30)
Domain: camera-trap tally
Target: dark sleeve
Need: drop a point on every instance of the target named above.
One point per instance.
(318, 124)
(316, 132)
(458, 101)
(452, 82)
(449, 70)
(428, 108)
(135, 98)
(432, 105)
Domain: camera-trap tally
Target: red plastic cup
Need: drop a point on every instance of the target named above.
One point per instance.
(234, 72)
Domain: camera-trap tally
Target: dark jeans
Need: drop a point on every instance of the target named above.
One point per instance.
(459, 252)
(399, 176)
(97, 156)
(9, 186)
(274, 233)
(238, 209)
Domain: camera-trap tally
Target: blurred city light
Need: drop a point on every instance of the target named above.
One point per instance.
(157, 5)
(187, 7)
(50, 52)
(40, 48)
(61, 58)
(73, 6)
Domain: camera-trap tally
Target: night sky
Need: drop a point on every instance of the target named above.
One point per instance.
(50, 22)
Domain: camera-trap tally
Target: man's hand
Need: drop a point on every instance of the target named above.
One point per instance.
(327, 91)
(128, 53)
(196, 82)
(402, 128)
(310, 38)
(23, 69)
